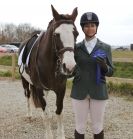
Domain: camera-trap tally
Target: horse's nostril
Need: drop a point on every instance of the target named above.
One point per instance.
(64, 66)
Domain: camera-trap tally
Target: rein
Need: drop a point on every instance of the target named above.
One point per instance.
(63, 50)
(43, 86)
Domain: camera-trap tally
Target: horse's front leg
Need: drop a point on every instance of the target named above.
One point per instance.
(47, 119)
(48, 130)
(60, 126)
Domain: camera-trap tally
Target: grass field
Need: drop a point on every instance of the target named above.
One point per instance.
(122, 54)
(123, 64)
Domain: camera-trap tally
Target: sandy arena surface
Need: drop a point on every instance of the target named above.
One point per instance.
(15, 125)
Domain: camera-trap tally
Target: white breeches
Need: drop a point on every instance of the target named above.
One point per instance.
(81, 110)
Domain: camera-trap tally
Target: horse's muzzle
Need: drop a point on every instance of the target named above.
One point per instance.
(65, 71)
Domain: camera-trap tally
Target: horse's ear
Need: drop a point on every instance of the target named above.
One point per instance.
(74, 14)
(55, 13)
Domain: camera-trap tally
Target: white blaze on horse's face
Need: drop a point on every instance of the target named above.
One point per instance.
(67, 38)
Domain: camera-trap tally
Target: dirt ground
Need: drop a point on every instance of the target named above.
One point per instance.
(15, 125)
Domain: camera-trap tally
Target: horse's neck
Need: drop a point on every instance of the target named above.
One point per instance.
(46, 50)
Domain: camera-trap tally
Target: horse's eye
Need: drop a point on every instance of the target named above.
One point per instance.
(76, 33)
(56, 34)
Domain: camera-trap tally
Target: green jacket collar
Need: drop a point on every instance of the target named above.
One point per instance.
(98, 45)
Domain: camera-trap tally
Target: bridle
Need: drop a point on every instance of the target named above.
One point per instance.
(60, 52)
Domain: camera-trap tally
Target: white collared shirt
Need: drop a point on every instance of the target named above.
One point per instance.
(90, 44)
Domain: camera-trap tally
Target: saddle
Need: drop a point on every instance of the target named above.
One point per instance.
(28, 47)
(34, 40)
(23, 58)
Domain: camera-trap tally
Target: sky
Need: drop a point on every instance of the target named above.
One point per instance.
(115, 16)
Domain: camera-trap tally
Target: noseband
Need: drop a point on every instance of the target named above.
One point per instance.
(60, 52)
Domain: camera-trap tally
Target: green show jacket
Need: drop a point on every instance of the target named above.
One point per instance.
(84, 82)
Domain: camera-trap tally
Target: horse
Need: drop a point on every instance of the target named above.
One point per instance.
(50, 62)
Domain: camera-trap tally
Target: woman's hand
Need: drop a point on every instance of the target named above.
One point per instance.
(102, 62)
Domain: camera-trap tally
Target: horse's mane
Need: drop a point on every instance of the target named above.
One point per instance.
(65, 16)
(50, 23)
(62, 17)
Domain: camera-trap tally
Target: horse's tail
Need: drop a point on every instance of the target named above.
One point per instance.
(37, 97)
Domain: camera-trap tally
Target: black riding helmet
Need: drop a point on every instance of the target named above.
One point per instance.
(89, 17)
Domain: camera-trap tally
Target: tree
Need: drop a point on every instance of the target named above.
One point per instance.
(11, 33)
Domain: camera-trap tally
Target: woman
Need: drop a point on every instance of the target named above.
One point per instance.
(89, 92)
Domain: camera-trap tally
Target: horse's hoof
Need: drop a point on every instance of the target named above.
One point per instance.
(29, 116)
(49, 137)
(60, 138)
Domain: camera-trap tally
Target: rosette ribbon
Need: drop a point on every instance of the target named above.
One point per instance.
(95, 54)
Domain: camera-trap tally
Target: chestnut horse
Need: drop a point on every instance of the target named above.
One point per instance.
(50, 62)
